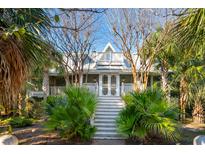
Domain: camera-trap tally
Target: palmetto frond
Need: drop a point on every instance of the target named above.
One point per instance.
(21, 47)
(70, 114)
(191, 23)
(148, 114)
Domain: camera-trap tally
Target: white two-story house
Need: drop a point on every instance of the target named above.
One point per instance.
(107, 73)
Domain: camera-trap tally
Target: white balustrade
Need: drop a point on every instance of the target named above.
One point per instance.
(56, 90)
(126, 87)
(92, 87)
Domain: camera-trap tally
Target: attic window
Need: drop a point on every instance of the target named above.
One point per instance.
(108, 56)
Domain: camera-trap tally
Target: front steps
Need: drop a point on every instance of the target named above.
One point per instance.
(106, 113)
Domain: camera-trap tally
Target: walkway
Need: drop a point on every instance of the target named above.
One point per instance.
(108, 142)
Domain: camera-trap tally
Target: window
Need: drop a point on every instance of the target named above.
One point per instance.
(108, 57)
(105, 84)
(113, 85)
(105, 79)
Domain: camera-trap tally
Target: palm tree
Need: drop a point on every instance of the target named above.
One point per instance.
(197, 100)
(166, 53)
(190, 33)
(189, 69)
(21, 47)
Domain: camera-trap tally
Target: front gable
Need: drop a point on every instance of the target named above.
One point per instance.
(110, 58)
(107, 53)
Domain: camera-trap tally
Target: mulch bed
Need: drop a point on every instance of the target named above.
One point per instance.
(36, 135)
(188, 132)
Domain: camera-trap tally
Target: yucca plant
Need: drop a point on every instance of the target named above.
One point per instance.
(148, 114)
(70, 114)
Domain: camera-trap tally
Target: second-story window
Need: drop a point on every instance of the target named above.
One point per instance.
(108, 56)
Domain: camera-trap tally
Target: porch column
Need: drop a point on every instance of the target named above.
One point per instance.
(97, 88)
(81, 80)
(100, 84)
(118, 85)
(109, 85)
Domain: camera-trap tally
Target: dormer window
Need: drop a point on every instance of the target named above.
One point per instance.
(107, 56)
(107, 53)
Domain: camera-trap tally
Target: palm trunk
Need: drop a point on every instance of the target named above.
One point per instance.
(164, 77)
(198, 112)
(45, 85)
(183, 97)
(19, 104)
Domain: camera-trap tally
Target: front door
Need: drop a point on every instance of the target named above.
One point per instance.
(109, 85)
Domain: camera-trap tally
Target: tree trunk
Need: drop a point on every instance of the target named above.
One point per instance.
(45, 85)
(76, 79)
(164, 77)
(183, 97)
(81, 79)
(67, 81)
(198, 112)
(145, 80)
(134, 75)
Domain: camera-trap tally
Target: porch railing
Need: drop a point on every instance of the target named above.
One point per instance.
(92, 87)
(56, 90)
(126, 87)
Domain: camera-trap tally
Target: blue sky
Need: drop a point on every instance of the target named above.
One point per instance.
(105, 36)
(103, 33)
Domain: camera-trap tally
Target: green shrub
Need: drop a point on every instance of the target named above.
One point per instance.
(53, 101)
(20, 121)
(33, 108)
(148, 114)
(127, 98)
(70, 114)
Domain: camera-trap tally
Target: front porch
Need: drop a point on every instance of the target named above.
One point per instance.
(103, 84)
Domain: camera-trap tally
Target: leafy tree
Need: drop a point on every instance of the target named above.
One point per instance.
(131, 30)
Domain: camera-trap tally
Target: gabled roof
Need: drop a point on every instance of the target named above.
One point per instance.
(108, 46)
(118, 61)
